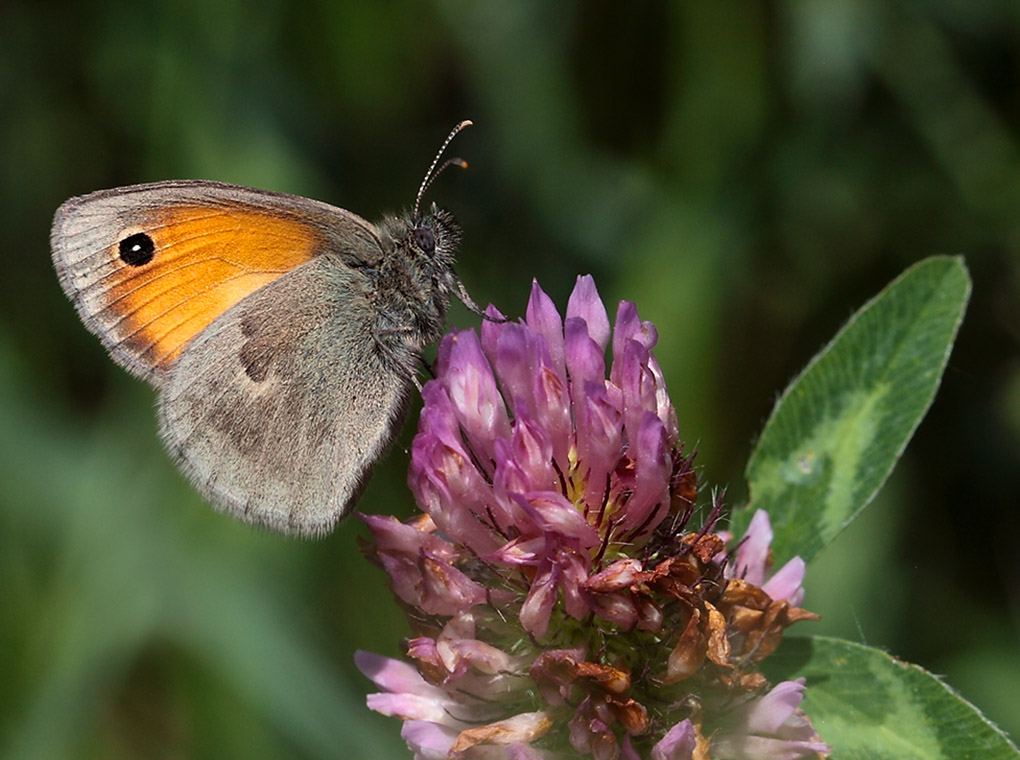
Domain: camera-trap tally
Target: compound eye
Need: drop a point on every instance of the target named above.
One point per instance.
(424, 239)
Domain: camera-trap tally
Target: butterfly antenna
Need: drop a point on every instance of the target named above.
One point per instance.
(432, 173)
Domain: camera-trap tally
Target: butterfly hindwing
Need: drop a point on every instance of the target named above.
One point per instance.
(278, 410)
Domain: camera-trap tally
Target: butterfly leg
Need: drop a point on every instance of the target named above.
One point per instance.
(465, 298)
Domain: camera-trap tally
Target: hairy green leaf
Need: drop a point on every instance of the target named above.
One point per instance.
(868, 705)
(837, 431)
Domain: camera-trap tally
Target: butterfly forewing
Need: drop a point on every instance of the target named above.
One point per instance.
(150, 267)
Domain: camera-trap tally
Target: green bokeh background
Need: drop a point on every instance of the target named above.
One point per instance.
(748, 173)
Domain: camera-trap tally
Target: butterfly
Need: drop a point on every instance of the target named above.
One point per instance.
(283, 334)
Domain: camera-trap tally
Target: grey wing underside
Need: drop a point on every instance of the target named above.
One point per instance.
(279, 409)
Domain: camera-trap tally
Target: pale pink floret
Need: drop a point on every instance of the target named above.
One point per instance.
(407, 695)
(752, 556)
(585, 303)
(751, 564)
(472, 389)
(769, 727)
(677, 744)
(544, 320)
(786, 583)
(422, 568)
(428, 741)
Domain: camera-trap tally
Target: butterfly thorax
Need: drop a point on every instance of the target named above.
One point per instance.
(415, 279)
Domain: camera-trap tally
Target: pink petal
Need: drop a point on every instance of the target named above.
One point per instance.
(490, 332)
(531, 449)
(788, 734)
(510, 477)
(513, 365)
(677, 744)
(409, 706)
(483, 657)
(593, 737)
(663, 406)
(394, 675)
(637, 384)
(443, 476)
(554, 514)
(573, 571)
(538, 605)
(405, 577)
(429, 741)
(766, 714)
(630, 327)
(423, 649)
(753, 553)
(520, 551)
(600, 447)
(460, 626)
(551, 410)
(626, 328)
(652, 469)
(786, 582)
(586, 362)
(544, 320)
(393, 536)
(446, 590)
(584, 302)
(469, 381)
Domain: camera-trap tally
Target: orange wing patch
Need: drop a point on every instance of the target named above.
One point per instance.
(205, 260)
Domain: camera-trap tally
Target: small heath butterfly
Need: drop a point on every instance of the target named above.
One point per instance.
(282, 334)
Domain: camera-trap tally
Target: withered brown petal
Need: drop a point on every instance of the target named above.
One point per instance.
(523, 728)
(606, 677)
(689, 652)
(718, 643)
(631, 714)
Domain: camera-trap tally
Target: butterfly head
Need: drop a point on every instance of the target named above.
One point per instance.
(434, 237)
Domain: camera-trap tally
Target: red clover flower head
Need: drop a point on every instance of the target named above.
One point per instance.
(562, 606)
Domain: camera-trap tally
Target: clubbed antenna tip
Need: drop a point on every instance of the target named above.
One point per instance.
(432, 173)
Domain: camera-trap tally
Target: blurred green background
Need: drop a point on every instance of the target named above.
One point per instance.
(748, 173)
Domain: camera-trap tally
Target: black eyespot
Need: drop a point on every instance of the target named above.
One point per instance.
(424, 239)
(138, 249)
